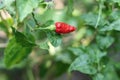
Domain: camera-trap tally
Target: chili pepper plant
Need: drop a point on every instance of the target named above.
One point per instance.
(56, 39)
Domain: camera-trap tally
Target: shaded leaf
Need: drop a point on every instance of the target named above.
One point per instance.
(65, 57)
(62, 68)
(95, 53)
(28, 33)
(91, 19)
(22, 39)
(87, 62)
(42, 4)
(99, 76)
(106, 74)
(47, 23)
(76, 51)
(83, 64)
(54, 38)
(44, 45)
(113, 26)
(115, 1)
(15, 53)
(104, 41)
(4, 28)
(115, 14)
(70, 7)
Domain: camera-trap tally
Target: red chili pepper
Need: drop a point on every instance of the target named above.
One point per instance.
(64, 28)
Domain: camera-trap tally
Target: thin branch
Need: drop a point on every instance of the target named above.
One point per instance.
(30, 27)
(36, 22)
(99, 14)
(16, 11)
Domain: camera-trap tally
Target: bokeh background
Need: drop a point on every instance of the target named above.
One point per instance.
(53, 64)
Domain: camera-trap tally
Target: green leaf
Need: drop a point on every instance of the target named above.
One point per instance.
(28, 33)
(70, 7)
(99, 76)
(115, 1)
(104, 41)
(117, 65)
(76, 51)
(44, 45)
(22, 39)
(4, 3)
(43, 70)
(115, 14)
(108, 73)
(64, 57)
(95, 53)
(88, 62)
(62, 68)
(15, 53)
(25, 7)
(47, 23)
(4, 28)
(48, 15)
(83, 64)
(113, 26)
(41, 1)
(54, 38)
(91, 19)
(42, 4)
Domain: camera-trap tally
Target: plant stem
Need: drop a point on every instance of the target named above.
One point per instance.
(30, 74)
(52, 27)
(99, 14)
(16, 10)
(35, 19)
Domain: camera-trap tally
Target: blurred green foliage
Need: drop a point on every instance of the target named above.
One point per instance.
(35, 54)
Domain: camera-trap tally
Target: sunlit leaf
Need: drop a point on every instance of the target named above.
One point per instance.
(4, 3)
(25, 7)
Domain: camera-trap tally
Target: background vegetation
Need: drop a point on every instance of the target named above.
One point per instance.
(90, 53)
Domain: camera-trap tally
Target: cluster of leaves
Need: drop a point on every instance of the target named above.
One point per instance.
(95, 59)
(88, 52)
(21, 43)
